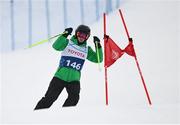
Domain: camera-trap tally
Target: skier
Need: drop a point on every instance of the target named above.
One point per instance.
(74, 53)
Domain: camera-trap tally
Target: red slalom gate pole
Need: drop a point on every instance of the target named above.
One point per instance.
(145, 88)
(137, 63)
(127, 33)
(106, 81)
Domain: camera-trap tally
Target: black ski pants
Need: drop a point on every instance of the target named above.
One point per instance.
(55, 88)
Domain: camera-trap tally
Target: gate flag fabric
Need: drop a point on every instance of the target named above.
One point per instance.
(112, 51)
(130, 49)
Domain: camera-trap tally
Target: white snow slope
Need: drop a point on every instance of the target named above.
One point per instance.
(154, 26)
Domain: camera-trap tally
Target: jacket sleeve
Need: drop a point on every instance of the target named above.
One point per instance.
(61, 43)
(92, 55)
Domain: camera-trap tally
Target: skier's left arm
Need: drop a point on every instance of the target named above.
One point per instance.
(92, 55)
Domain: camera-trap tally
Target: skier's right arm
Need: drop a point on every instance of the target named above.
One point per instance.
(62, 41)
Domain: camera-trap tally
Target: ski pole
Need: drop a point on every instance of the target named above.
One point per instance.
(45, 40)
(99, 67)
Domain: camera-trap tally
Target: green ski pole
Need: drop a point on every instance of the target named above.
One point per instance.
(45, 40)
(99, 67)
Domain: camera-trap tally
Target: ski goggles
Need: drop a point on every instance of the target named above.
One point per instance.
(82, 35)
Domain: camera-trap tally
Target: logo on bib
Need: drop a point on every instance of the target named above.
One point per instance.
(76, 53)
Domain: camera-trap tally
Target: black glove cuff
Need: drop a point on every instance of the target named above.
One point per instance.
(98, 45)
(66, 35)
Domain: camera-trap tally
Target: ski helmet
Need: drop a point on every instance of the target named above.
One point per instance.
(83, 28)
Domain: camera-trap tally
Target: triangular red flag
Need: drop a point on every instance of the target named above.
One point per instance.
(112, 52)
(130, 49)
